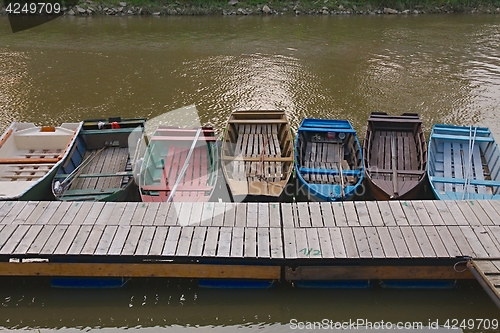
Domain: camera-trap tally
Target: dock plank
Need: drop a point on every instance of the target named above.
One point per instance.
(25, 242)
(290, 245)
(386, 211)
(410, 213)
(263, 215)
(14, 239)
(198, 241)
(338, 212)
(304, 214)
(172, 241)
(397, 213)
(436, 242)
(229, 214)
(313, 242)
(211, 242)
(93, 239)
(185, 241)
(361, 240)
(274, 215)
(349, 242)
(67, 239)
(106, 240)
(80, 239)
(325, 243)
(339, 249)
(351, 214)
(421, 212)
(399, 242)
(387, 242)
(374, 242)
(14, 212)
(250, 243)
(327, 214)
(287, 216)
(162, 213)
(119, 240)
(237, 242)
(252, 214)
(53, 241)
(303, 250)
(374, 213)
(225, 239)
(158, 242)
(218, 214)
(276, 244)
(263, 243)
(145, 241)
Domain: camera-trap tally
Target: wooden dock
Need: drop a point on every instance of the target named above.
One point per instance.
(288, 241)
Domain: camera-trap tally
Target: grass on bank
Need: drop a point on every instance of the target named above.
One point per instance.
(193, 7)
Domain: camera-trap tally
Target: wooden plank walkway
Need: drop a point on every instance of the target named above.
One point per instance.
(349, 230)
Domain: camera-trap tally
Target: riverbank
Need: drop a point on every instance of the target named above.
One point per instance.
(257, 7)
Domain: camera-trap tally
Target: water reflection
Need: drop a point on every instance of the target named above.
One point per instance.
(15, 84)
(150, 303)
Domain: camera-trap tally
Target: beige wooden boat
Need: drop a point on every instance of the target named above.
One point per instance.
(257, 154)
(29, 157)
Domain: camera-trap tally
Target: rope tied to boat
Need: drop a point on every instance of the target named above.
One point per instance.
(467, 259)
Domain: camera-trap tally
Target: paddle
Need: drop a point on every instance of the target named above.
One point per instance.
(74, 174)
(394, 168)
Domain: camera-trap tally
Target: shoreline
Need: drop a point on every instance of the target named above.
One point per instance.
(270, 8)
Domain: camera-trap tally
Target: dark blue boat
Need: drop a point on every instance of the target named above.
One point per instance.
(328, 160)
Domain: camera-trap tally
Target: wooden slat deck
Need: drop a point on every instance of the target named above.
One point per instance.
(348, 230)
(112, 160)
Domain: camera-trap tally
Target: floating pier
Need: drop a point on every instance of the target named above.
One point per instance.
(362, 240)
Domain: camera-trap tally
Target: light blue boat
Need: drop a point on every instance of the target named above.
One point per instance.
(463, 163)
(328, 160)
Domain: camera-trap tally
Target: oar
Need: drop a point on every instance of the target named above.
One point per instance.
(394, 168)
(73, 175)
(184, 167)
(472, 141)
(341, 158)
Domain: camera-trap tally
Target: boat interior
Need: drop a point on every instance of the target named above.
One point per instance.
(29, 152)
(165, 159)
(329, 157)
(258, 152)
(465, 161)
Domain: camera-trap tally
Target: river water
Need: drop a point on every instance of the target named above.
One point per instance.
(447, 68)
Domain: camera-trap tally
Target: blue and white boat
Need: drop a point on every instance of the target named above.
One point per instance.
(463, 163)
(328, 160)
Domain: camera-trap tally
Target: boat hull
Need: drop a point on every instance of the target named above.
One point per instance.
(180, 165)
(328, 161)
(395, 156)
(257, 155)
(99, 167)
(30, 156)
(457, 172)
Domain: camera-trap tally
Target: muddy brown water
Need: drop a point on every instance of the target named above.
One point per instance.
(445, 67)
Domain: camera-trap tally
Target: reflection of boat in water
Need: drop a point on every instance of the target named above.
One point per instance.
(328, 160)
(180, 164)
(257, 154)
(30, 156)
(99, 167)
(395, 156)
(464, 163)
